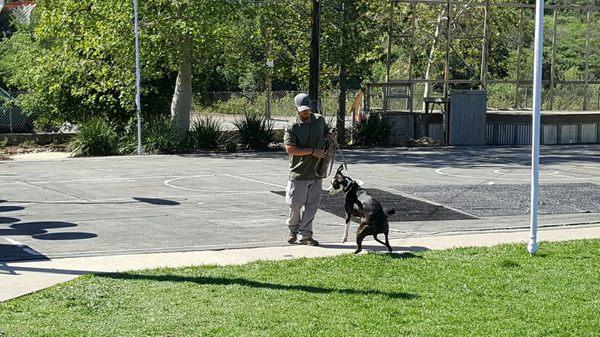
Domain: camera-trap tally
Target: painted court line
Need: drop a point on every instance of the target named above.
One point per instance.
(216, 192)
(440, 171)
(99, 180)
(22, 246)
(254, 180)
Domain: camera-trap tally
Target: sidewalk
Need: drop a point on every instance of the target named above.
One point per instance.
(21, 278)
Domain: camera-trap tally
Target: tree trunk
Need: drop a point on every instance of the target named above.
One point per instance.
(340, 124)
(181, 105)
(431, 52)
(436, 38)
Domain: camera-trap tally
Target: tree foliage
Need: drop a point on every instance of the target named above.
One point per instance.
(76, 59)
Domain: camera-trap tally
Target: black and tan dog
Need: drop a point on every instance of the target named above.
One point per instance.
(373, 219)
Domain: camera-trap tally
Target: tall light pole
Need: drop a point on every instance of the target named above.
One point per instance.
(138, 100)
(532, 246)
(313, 79)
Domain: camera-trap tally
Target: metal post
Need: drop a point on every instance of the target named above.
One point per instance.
(445, 126)
(386, 89)
(446, 65)
(586, 72)
(518, 70)
(313, 87)
(484, 48)
(389, 44)
(532, 246)
(10, 119)
(269, 79)
(553, 62)
(268, 90)
(412, 40)
(138, 101)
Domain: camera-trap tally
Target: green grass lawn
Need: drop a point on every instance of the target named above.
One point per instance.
(499, 291)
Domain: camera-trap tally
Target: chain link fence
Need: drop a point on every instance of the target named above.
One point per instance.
(256, 102)
(12, 118)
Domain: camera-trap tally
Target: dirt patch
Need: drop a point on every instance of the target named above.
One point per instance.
(8, 152)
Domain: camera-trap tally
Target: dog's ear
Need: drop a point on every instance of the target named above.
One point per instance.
(340, 169)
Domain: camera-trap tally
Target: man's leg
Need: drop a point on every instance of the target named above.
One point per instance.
(313, 200)
(295, 197)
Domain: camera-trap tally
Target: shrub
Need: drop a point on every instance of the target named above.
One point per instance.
(231, 144)
(255, 132)
(372, 131)
(158, 136)
(96, 137)
(206, 134)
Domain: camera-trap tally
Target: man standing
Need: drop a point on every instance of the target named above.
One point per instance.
(304, 140)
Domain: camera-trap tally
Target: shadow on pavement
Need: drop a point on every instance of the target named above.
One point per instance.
(154, 201)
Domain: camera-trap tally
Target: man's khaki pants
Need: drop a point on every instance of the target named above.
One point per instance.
(299, 194)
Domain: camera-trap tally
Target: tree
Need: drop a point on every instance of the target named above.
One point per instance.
(76, 60)
(351, 45)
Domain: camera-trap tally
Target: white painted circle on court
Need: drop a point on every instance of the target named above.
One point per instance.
(170, 183)
(528, 173)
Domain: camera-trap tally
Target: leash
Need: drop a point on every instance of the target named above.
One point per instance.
(324, 166)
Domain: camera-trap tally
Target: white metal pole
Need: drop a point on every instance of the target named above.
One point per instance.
(532, 246)
(138, 101)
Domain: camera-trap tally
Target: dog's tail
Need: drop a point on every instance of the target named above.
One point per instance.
(390, 211)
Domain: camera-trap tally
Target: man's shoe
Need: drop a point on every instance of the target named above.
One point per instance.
(292, 238)
(309, 242)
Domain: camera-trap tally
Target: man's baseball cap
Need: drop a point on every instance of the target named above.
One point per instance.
(302, 102)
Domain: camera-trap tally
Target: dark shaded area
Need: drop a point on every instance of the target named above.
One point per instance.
(65, 236)
(511, 199)
(375, 247)
(18, 253)
(39, 231)
(407, 255)
(153, 201)
(14, 270)
(4, 220)
(40, 225)
(11, 208)
(220, 281)
(33, 228)
(407, 209)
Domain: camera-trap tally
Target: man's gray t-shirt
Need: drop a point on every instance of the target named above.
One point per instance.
(309, 134)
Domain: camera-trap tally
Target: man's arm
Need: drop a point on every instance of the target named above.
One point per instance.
(293, 150)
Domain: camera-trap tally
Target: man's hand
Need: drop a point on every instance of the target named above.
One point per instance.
(319, 153)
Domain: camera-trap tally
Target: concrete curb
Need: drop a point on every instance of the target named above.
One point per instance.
(22, 278)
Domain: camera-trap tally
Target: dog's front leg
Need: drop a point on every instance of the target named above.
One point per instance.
(346, 229)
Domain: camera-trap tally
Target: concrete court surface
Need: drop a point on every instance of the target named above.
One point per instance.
(129, 205)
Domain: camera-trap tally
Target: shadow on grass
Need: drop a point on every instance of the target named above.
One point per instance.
(405, 255)
(220, 281)
(376, 248)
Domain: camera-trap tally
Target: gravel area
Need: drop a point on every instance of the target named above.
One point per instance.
(407, 209)
(511, 199)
